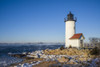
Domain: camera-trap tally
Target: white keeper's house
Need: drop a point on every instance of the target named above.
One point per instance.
(71, 37)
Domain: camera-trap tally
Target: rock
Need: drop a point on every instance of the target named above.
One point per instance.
(92, 56)
(72, 65)
(83, 59)
(24, 53)
(29, 52)
(33, 56)
(89, 59)
(36, 56)
(95, 62)
(85, 55)
(43, 56)
(29, 57)
(85, 64)
(18, 55)
(72, 62)
(15, 66)
(63, 59)
(55, 65)
(75, 57)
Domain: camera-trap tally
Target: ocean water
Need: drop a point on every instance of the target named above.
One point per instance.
(6, 60)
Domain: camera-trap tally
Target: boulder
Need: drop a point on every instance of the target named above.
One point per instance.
(63, 59)
(72, 61)
(83, 59)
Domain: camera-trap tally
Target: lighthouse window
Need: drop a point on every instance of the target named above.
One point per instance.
(74, 28)
(81, 41)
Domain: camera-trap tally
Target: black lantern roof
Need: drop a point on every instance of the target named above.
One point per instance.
(70, 17)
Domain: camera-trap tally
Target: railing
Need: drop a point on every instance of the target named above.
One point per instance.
(90, 45)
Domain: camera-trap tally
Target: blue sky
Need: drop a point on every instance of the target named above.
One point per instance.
(43, 20)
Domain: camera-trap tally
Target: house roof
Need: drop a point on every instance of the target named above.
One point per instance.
(77, 36)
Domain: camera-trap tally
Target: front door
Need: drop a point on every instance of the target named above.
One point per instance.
(81, 43)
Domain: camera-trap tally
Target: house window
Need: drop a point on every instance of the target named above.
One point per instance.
(81, 42)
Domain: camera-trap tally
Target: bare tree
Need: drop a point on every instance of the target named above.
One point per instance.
(95, 41)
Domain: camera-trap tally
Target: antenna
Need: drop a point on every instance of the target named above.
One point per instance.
(64, 19)
(75, 19)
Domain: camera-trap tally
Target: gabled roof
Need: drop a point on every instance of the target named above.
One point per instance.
(77, 36)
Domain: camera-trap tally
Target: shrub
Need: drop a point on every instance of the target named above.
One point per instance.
(62, 47)
(95, 51)
(70, 46)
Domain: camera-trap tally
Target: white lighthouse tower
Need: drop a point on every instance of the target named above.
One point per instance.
(71, 38)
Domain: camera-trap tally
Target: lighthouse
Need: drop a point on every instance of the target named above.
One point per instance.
(71, 38)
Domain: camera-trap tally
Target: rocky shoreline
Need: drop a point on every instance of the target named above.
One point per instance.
(70, 57)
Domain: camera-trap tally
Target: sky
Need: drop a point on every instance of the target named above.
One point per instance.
(43, 20)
